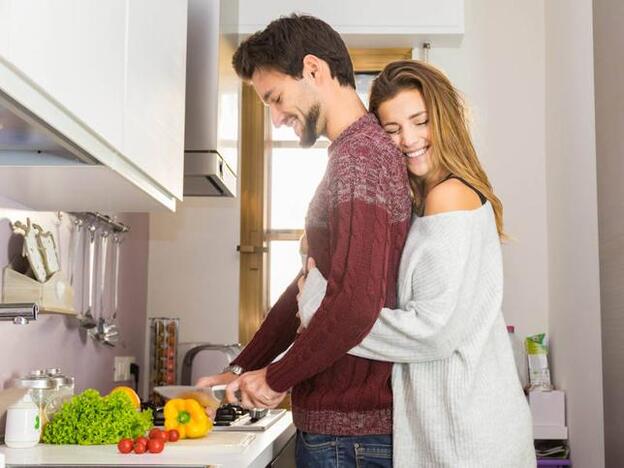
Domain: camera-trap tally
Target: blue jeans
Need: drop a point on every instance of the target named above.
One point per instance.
(325, 451)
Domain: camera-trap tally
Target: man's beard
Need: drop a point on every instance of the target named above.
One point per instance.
(309, 134)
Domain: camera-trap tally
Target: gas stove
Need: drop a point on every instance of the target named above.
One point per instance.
(232, 417)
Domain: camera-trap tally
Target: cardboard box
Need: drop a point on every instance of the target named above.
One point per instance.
(548, 408)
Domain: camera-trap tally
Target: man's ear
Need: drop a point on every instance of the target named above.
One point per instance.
(312, 67)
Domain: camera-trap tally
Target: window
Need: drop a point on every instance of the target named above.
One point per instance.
(294, 174)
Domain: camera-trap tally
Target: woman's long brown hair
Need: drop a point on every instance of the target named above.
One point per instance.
(451, 146)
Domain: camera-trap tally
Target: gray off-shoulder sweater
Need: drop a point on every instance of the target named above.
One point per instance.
(457, 397)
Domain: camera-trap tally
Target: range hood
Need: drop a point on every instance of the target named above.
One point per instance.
(206, 174)
(212, 99)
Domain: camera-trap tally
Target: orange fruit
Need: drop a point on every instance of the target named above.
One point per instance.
(136, 401)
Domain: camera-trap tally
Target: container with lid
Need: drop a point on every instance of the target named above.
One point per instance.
(64, 390)
(48, 388)
(39, 385)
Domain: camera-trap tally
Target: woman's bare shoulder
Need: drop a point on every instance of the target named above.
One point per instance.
(451, 195)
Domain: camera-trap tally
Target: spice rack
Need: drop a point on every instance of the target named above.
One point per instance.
(164, 333)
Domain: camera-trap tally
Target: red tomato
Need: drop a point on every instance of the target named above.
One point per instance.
(140, 440)
(157, 434)
(125, 445)
(156, 445)
(174, 435)
(140, 447)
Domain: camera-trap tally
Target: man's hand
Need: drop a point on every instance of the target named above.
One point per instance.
(218, 379)
(211, 381)
(254, 390)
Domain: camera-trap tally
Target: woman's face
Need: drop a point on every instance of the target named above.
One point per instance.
(405, 119)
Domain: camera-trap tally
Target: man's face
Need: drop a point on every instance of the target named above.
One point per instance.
(292, 102)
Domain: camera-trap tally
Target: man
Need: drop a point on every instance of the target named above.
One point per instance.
(356, 225)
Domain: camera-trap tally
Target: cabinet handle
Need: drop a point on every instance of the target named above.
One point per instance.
(251, 249)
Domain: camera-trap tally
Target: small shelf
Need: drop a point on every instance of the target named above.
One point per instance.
(55, 296)
(57, 311)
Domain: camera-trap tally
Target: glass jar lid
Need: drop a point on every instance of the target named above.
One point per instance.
(59, 379)
(42, 382)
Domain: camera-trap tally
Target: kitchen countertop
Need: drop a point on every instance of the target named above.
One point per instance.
(258, 454)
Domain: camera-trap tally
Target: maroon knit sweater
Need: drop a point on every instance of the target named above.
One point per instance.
(356, 226)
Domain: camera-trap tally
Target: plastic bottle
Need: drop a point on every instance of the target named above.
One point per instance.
(23, 424)
(520, 356)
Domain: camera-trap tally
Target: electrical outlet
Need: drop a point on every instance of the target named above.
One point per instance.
(121, 368)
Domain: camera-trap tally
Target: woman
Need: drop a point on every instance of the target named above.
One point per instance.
(457, 397)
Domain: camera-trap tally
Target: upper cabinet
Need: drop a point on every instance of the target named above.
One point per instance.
(4, 27)
(155, 90)
(92, 98)
(368, 23)
(74, 51)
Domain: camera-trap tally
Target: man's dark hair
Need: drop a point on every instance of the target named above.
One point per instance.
(283, 44)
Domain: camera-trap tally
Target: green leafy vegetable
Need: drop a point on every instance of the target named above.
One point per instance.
(90, 419)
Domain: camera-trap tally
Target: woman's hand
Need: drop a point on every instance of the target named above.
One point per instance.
(310, 264)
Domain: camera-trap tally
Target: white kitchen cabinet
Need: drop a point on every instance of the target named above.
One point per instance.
(4, 27)
(154, 110)
(105, 81)
(74, 50)
(366, 23)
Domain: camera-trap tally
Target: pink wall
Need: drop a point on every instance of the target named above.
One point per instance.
(56, 341)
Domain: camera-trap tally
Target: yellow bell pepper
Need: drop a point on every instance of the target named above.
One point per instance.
(188, 417)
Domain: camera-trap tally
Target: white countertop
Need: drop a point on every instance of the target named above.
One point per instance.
(258, 454)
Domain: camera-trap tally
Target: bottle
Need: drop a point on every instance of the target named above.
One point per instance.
(520, 356)
(23, 424)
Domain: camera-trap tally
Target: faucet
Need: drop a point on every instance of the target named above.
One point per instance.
(230, 351)
(19, 313)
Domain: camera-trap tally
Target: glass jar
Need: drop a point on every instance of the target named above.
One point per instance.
(40, 387)
(64, 390)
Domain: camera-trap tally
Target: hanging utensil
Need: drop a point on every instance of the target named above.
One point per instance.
(101, 296)
(58, 223)
(100, 285)
(74, 245)
(87, 320)
(111, 331)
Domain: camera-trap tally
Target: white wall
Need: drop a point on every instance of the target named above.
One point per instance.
(574, 322)
(499, 68)
(193, 268)
(609, 76)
